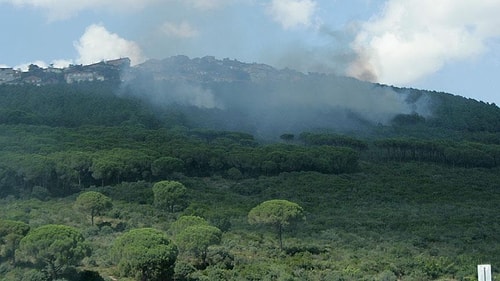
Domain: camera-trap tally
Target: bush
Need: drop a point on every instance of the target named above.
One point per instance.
(88, 275)
(183, 270)
(40, 193)
(387, 275)
(234, 174)
(35, 275)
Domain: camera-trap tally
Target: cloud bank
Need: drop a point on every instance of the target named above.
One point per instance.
(411, 39)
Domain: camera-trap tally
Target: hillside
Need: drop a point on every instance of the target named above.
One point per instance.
(395, 184)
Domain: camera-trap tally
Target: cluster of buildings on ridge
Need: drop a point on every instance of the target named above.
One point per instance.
(102, 71)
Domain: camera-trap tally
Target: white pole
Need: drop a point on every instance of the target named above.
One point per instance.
(484, 272)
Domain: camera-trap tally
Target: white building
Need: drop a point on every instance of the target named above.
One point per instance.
(79, 76)
(7, 75)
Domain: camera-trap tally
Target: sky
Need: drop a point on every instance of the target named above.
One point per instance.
(442, 45)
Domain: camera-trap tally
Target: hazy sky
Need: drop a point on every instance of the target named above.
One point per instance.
(444, 45)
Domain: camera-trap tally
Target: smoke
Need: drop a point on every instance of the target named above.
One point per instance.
(25, 66)
(183, 94)
(410, 39)
(231, 95)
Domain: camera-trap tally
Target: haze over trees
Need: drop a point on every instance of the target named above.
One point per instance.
(180, 195)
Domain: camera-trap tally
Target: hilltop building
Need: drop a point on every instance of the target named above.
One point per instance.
(8, 74)
(103, 71)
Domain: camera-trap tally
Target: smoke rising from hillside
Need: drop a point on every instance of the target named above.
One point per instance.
(408, 40)
(265, 101)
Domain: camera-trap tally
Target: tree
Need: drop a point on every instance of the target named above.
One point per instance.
(54, 247)
(11, 233)
(72, 166)
(287, 137)
(93, 202)
(106, 167)
(277, 213)
(184, 222)
(197, 239)
(164, 167)
(169, 194)
(146, 253)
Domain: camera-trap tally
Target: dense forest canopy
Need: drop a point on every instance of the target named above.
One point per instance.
(383, 194)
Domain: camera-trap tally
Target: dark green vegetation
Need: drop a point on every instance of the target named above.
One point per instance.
(93, 202)
(277, 213)
(416, 199)
(146, 253)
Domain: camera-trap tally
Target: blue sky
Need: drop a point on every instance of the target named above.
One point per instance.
(444, 45)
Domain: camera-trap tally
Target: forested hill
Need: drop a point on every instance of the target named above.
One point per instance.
(226, 109)
(248, 97)
(176, 169)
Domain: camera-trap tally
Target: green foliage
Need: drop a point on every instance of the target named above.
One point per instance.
(169, 194)
(11, 233)
(401, 201)
(234, 174)
(54, 248)
(184, 222)
(93, 202)
(139, 192)
(277, 213)
(88, 275)
(197, 239)
(333, 140)
(70, 105)
(164, 167)
(146, 253)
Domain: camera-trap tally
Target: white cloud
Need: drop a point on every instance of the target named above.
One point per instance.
(414, 38)
(61, 63)
(98, 44)
(292, 13)
(181, 30)
(25, 66)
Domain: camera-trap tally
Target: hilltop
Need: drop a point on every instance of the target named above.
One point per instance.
(267, 102)
(103, 71)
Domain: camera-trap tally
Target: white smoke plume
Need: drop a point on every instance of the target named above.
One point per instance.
(410, 39)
